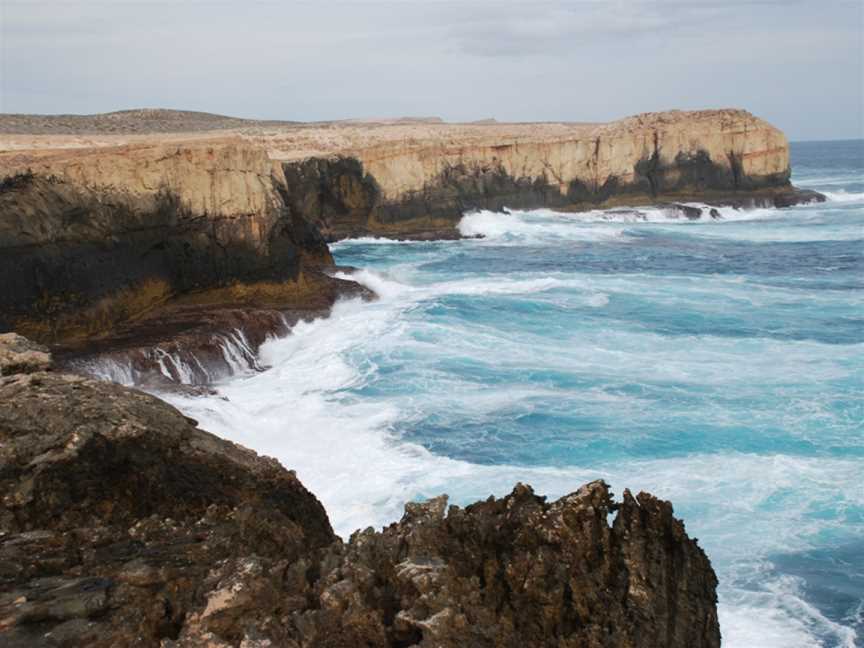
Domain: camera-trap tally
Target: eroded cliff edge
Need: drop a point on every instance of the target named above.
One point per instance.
(122, 523)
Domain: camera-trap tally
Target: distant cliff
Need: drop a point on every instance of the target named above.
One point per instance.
(420, 187)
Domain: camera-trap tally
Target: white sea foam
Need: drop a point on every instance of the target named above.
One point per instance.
(377, 240)
(391, 288)
(545, 225)
(844, 196)
(537, 226)
(299, 412)
(310, 411)
(345, 450)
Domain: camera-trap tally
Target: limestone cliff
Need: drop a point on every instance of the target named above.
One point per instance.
(123, 524)
(93, 239)
(219, 177)
(421, 186)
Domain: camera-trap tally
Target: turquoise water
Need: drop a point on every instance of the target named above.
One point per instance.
(719, 364)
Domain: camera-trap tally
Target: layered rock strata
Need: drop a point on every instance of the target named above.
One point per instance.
(122, 523)
(93, 240)
(193, 345)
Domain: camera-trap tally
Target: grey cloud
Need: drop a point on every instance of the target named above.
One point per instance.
(517, 30)
(796, 64)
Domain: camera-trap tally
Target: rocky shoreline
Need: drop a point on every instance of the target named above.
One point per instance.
(188, 346)
(122, 523)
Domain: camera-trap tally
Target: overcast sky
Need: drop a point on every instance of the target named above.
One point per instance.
(799, 65)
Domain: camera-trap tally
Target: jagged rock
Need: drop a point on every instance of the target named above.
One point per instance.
(688, 211)
(123, 524)
(20, 355)
(191, 347)
(519, 572)
(115, 509)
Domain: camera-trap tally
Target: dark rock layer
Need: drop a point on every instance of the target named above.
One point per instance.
(344, 201)
(123, 524)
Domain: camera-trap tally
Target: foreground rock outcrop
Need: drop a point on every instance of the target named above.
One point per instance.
(123, 524)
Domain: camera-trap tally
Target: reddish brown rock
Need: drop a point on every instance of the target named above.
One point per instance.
(189, 344)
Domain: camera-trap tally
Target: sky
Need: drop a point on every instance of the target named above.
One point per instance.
(800, 65)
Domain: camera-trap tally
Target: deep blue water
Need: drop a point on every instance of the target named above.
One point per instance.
(718, 364)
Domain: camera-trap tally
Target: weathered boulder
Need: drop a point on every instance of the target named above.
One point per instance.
(20, 355)
(115, 509)
(123, 524)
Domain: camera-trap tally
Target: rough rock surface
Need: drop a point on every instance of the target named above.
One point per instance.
(123, 524)
(187, 344)
(116, 510)
(20, 355)
(518, 571)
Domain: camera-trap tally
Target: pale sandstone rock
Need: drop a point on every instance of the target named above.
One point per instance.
(590, 155)
(231, 172)
(227, 177)
(20, 355)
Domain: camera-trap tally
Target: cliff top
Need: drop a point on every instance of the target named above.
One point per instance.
(143, 121)
(136, 121)
(27, 134)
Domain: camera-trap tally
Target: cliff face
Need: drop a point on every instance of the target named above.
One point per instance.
(93, 239)
(101, 231)
(420, 187)
(122, 523)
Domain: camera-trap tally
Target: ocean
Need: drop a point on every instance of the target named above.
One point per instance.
(716, 363)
